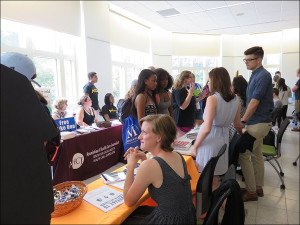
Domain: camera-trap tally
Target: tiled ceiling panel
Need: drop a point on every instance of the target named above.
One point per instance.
(217, 17)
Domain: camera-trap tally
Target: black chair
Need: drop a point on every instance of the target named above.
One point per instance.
(273, 151)
(204, 185)
(230, 174)
(295, 163)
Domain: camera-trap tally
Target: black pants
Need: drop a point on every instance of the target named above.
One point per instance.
(283, 112)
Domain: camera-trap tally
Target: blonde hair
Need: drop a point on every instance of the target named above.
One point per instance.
(130, 93)
(164, 126)
(179, 83)
(298, 70)
(60, 103)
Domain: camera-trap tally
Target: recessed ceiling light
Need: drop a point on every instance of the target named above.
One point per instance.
(168, 12)
(240, 14)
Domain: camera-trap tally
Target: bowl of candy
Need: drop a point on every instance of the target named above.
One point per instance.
(67, 197)
(103, 124)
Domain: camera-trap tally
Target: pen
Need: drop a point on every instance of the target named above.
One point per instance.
(143, 151)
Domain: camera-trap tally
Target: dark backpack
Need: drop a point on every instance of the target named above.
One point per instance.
(124, 109)
(270, 138)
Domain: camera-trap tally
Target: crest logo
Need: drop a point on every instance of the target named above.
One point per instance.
(77, 161)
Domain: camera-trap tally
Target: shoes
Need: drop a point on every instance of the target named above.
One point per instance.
(259, 192)
(249, 196)
(296, 129)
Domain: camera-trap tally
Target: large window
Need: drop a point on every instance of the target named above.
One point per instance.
(126, 66)
(271, 62)
(199, 65)
(53, 53)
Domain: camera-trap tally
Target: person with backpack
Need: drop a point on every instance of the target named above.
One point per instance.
(163, 95)
(144, 102)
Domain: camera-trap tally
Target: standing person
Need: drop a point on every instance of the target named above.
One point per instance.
(258, 120)
(165, 175)
(90, 90)
(198, 109)
(184, 102)
(131, 91)
(26, 184)
(144, 103)
(86, 115)
(284, 95)
(163, 95)
(277, 107)
(222, 108)
(296, 90)
(205, 94)
(276, 77)
(109, 111)
(239, 87)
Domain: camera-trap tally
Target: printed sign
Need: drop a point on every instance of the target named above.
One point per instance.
(66, 124)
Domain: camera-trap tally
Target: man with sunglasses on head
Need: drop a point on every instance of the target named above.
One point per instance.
(258, 121)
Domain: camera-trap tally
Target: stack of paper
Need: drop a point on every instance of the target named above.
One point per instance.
(192, 134)
(104, 198)
(182, 145)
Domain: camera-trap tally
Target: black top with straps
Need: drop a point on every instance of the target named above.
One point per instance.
(88, 118)
(173, 197)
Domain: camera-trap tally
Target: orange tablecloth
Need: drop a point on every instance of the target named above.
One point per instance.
(89, 214)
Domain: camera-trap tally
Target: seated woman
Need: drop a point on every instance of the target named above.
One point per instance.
(109, 111)
(165, 175)
(60, 106)
(86, 115)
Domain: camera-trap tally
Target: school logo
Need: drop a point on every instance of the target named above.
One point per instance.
(77, 161)
(132, 134)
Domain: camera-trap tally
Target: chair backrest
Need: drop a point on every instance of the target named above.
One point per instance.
(282, 129)
(211, 217)
(230, 174)
(204, 185)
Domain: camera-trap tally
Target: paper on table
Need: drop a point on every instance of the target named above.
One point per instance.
(104, 198)
(119, 184)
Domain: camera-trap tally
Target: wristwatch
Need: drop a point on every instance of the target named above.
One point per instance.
(243, 121)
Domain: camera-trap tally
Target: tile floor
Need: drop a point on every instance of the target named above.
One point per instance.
(277, 206)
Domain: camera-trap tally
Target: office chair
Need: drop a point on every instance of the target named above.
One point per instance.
(204, 184)
(229, 186)
(273, 152)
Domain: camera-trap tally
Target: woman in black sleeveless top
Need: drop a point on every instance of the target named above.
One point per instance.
(86, 115)
(165, 175)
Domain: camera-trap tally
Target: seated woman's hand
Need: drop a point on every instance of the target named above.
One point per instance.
(133, 155)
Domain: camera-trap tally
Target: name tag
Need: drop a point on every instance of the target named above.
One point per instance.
(66, 124)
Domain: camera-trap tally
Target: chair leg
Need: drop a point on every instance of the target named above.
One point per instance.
(281, 173)
(282, 186)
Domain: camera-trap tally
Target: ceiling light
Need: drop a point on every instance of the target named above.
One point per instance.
(168, 12)
(240, 14)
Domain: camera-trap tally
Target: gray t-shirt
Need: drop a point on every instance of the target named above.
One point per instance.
(277, 103)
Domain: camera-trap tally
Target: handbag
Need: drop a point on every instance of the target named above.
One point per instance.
(130, 133)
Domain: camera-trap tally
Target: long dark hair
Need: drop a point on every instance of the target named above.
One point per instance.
(281, 84)
(107, 99)
(145, 74)
(239, 88)
(220, 82)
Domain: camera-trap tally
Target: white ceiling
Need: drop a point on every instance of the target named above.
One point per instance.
(218, 17)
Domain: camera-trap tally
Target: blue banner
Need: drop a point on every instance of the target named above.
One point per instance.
(66, 124)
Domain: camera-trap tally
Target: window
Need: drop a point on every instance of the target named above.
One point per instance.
(199, 65)
(126, 66)
(53, 53)
(271, 62)
(46, 69)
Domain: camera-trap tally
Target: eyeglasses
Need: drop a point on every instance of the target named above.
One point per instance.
(249, 60)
